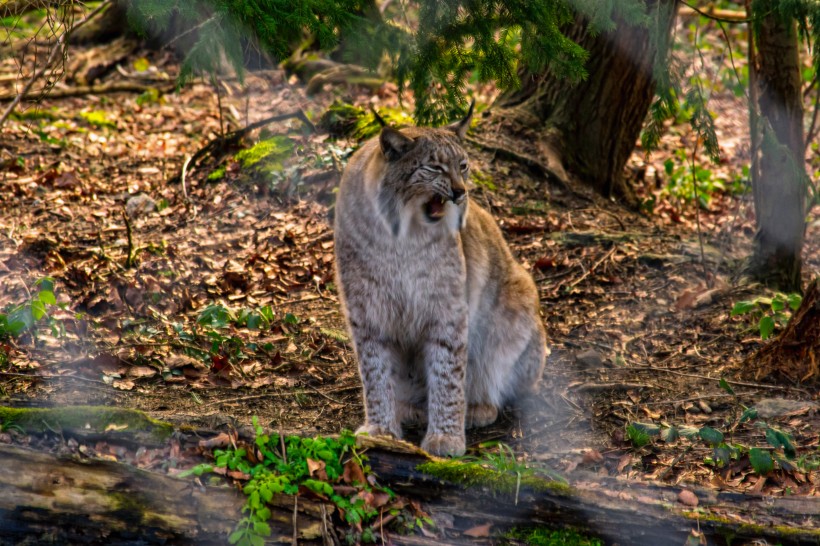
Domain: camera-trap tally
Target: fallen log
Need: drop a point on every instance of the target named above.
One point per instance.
(47, 497)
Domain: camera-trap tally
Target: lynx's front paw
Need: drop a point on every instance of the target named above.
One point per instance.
(444, 444)
(372, 429)
(481, 415)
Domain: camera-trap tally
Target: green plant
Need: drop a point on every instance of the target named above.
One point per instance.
(762, 460)
(23, 317)
(294, 465)
(267, 155)
(771, 313)
(539, 536)
(684, 184)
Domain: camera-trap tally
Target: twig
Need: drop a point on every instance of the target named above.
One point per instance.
(698, 376)
(692, 399)
(676, 460)
(295, 540)
(323, 395)
(182, 181)
(722, 15)
(58, 46)
(129, 259)
(53, 376)
(117, 87)
(597, 387)
(235, 136)
(695, 178)
(245, 398)
(589, 271)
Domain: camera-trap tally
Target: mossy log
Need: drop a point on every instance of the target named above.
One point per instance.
(43, 496)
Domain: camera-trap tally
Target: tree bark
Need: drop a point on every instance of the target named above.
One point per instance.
(589, 128)
(779, 181)
(102, 502)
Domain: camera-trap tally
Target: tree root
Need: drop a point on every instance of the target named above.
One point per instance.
(794, 355)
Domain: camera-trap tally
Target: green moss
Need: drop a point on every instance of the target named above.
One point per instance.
(473, 474)
(217, 174)
(345, 120)
(539, 536)
(748, 528)
(480, 178)
(98, 118)
(267, 155)
(49, 114)
(84, 418)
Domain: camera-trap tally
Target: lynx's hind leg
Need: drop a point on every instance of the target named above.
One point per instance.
(507, 351)
(530, 365)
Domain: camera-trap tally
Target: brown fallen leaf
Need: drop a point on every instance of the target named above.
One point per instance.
(141, 371)
(353, 473)
(223, 439)
(687, 498)
(592, 456)
(314, 466)
(123, 384)
(479, 531)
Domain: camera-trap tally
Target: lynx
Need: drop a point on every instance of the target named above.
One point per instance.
(444, 321)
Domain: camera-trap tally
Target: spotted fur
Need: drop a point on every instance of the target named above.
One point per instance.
(445, 323)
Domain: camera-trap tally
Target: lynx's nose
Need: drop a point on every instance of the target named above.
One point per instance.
(458, 193)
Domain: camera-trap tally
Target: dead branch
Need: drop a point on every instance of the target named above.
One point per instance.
(104, 89)
(58, 47)
(218, 145)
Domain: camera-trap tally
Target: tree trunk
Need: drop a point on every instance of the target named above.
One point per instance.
(779, 179)
(589, 128)
(47, 498)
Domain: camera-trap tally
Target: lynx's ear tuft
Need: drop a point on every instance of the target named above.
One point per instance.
(394, 144)
(460, 127)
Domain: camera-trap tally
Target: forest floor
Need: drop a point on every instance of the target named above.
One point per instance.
(229, 311)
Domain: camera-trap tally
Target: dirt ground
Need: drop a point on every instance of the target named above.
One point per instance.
(637, 313)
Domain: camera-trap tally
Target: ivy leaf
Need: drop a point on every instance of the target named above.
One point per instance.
(670, 434)
(794, 301)
(711, 436)
(778, 438)
(722, 455)
(38, 309)
(47, 297)
(748, 414)
(725, 386)
(778, 303)
(743, 307)
(649, 428)
(762, 462)
(689, 432)
(766, 327)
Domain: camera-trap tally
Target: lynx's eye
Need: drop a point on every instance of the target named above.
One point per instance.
(464, 165)
(433, 168)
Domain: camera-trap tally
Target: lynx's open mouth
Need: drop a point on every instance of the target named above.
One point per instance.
(434, 208)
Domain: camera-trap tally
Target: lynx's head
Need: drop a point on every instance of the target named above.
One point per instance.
(425, 184)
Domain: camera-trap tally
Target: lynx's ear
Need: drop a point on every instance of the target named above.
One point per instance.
(394, 144)
(460, 127)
